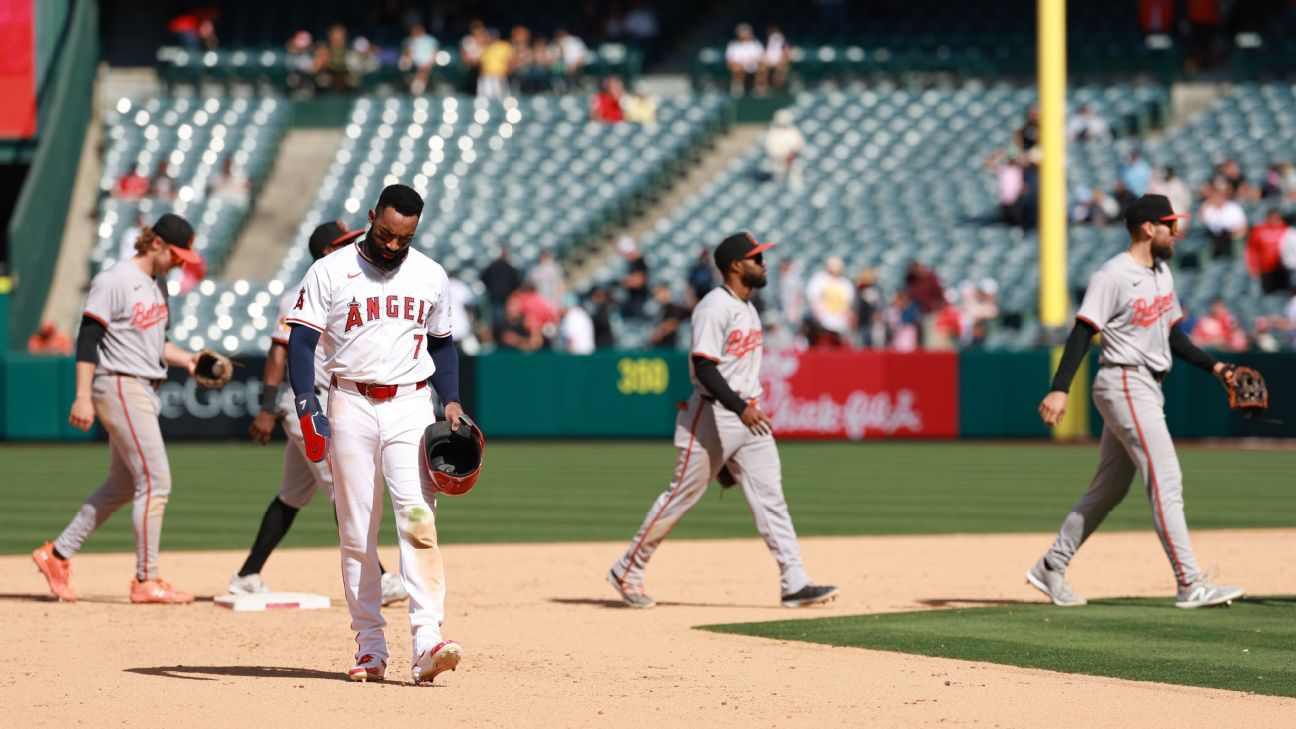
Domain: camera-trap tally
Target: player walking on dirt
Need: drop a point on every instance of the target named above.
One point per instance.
(122, 358)
(301, 476)
(722, 427)
(1131, 300)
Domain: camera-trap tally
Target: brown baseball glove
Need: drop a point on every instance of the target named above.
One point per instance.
(213, 369)
(1247, 392)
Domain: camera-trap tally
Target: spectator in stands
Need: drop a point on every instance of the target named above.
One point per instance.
(982, 306)
(49, 339)
(701, 278)
(1206, 31)
(1287, 254)
(606, 105)
(522, 68)
(547, 278)
(132, 185)
(1027, 136)
(1095, 206)
(947, 322)
(613, 26)
(1264, 336)
(539, 312)
(783, 145)
(230, 185)
(1086, 126)
(1157, 17)
(1136, 173)
(1172, 186)
(791, 293)
(1271, 185)
(195, 30)
(1219, 329)
(461, 315)
(604, 336)
(418, 59)
(470, 52)
(163, 185)
(573, 55)
(641, 22)
(1224, 220)
(924, 287)
(496, 65)
(1009, 182)
(501, 279)
(516, 332)
(640, 106)
(546, 64)
(1230, 173)
(743, 59)
(830, 297)
(336, 67)
(777, 58)
(904, 322)
(301, 61)
(576, 328)
(635, 281)
(1263, 252)
(869, 306)
(669, 317)
(1122, 195)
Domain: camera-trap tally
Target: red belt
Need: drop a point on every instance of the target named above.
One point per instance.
(381, 392)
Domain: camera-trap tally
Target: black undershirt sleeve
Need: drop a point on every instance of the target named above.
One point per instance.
(709, 375)
(1077, 347)
(1183, 348)
(88, 340)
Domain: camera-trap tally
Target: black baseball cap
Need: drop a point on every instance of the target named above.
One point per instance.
(1152, 209)
(737, 247)
(177, 232)
(331, 234)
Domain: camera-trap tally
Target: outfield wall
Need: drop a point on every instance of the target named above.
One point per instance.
(634, 394)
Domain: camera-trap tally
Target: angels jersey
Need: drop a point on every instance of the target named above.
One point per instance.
(280, 336)
(374, 323)
(727, 329)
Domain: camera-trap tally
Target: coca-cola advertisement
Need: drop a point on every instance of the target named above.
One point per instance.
(825, 394)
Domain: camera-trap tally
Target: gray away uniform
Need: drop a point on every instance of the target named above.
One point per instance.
(1134, 307)
(301, 476)
(133, 308)
(728, 330)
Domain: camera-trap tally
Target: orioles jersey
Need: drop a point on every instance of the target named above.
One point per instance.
(727, 330)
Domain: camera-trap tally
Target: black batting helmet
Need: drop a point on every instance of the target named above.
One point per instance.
(453, 458)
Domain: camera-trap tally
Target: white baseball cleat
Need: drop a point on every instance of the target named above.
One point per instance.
(247, 585)
(393, 589)
(1204, 593)
(368, 668)
(1054, 584)
(444, 656)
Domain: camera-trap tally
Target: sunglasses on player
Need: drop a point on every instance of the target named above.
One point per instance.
(758, 259)
(1172, 224)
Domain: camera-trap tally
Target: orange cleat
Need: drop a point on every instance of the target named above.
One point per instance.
(158, 591)
(57, 571)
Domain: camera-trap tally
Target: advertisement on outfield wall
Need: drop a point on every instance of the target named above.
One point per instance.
(857, 395)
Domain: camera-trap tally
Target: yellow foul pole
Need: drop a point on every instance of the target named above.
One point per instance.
(1053, 301)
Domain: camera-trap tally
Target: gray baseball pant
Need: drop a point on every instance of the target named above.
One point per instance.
(138, 473)
(1134, 438)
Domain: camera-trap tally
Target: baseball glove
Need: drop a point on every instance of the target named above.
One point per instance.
(213, 369)
(1246, 388)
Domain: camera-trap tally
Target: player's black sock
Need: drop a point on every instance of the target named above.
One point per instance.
(274, 525)
(58, 553)
(381, 570)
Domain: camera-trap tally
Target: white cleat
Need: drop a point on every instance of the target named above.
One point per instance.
(1053, 584)
(1204, 593)
(247, 585)
(393, 589)
(444, 656)
(368, 668)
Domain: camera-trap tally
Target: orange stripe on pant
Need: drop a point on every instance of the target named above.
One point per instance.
(679, 484)
(148, 478)
(1156, 492)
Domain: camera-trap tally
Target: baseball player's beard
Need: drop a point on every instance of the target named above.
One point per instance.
(375, 256)
(1163, 251)
(755, 280)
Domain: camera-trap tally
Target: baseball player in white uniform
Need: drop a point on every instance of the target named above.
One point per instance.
(122, 358)
(1131, 300)
(722, 426)
(301, 476)
(382, 314)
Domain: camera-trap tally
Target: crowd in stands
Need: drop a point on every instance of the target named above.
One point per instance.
(755, 67)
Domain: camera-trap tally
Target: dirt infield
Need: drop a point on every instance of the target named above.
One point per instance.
(547, 644)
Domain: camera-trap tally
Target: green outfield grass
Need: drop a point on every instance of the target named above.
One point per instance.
(560, 491)
(1250, 646)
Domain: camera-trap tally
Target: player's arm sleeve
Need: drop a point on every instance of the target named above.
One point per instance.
(88, 339)
(1073, 354)
(1101, 300)
(1182, 347)
(708, 373)
(445, 380)
(301, 359)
